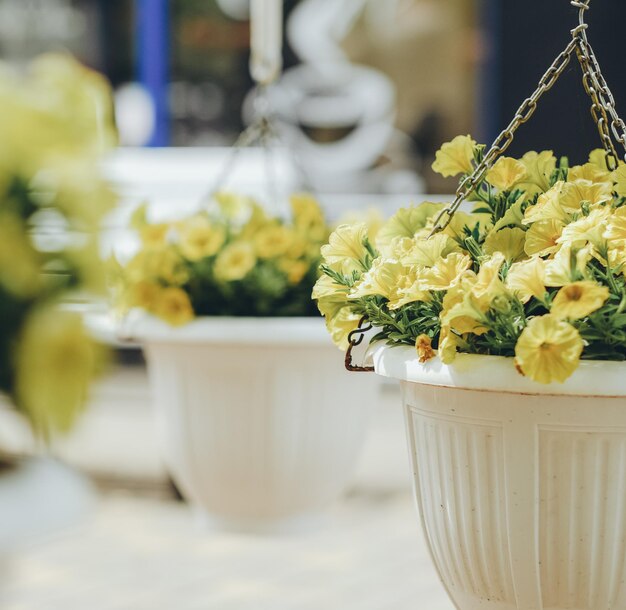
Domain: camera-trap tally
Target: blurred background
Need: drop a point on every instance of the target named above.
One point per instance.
(429, 70)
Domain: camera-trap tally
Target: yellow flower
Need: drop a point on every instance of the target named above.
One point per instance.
(579, 299)
(154, 235)
(573, 194)
(341, 325)
(619, 177)
(410, 288)
(449, 343)
(446, 272)
(20, 272)
(55, 362)
(488, 284)
(527, 279)
(616, 226)
(306, 211)
(597, 157)
(327, 287)
(273, 241)
(461, 311)
(406, 222)
(588, 171)
(295, 270)
(154, 264)
(382, 279)
(173, 306)
(198, 238)
(548, 207)
(539, 169)
(548, 350)
(589, 229)
(144, 294)
(509, 241)
(506, 173)
(513, 216)
(426, 252)
(568, 265)
(541, 238)
(424, 348)
(455, 157)
(346, 245)
(236, 207)
(234, 262)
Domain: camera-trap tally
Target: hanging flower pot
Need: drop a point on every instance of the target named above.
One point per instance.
(258, 422)
(506, 326)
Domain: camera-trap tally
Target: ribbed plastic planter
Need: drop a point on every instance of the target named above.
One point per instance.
(521, 488)
(258, 420)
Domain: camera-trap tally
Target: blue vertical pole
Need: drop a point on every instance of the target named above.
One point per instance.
(152, 31)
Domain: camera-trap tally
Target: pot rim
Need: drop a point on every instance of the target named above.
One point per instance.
(593, 378)
(139, 327)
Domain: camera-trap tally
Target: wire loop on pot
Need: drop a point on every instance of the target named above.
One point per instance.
(355, 338)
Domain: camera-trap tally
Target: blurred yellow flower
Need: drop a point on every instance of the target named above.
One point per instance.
(235, 261)
(199, 238)
(172, 304)
(455, 157)
(272, 241)
(154, 235)
(144, 294)
(548, 350)
(154, 264)
(579, 299)
(55, 361)
(20, 265)
(508, 241)
(506, 173)
(527, 279)
(541, 238)
(295, 270)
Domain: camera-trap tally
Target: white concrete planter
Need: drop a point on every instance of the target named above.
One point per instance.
(521, 488)
(258, 420)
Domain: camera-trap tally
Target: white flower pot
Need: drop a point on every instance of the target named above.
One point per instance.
(258, 420)
(521, 488)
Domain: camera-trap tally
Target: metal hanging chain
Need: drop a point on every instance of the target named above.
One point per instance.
(356, 338)
(603, 107)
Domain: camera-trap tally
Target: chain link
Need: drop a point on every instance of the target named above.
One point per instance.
(610, 126)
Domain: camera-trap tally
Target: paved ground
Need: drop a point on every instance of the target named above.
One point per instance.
(366, 553)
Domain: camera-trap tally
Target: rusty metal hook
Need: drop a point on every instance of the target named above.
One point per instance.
(356, 338)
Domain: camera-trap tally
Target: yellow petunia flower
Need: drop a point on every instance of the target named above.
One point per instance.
(506, 173)
(597, 157)
(424, 348)
(455, 157)
(579, 299)
(198, 238)
(548, 207)
(449, 343)
(588, 229)
(461, 310)
(235, 261)
(20, 265)
(541, 238)
(144, 294)
(568, 265)
(154, 264)
(573, 194)
(615, 232)
(446, 272)
(539, 169)
(346, 245)
(341, 325)
(619, 178)
(154, 235)
(382, 279)
(173, 306)
(488, 284)
(548, 350)
(295, 270)
(527, 279)
(406, 222)
(509, 241)
(426, 252)
(588, 171)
